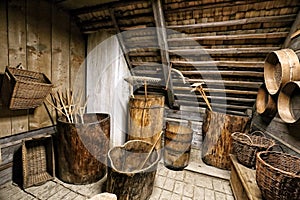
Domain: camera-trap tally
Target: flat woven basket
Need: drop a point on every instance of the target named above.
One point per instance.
(278, 175)
(23, 89)
(37, 161)
(246, 146)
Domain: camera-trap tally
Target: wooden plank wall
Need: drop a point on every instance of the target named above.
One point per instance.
(44, 39)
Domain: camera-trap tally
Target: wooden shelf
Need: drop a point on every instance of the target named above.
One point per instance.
(243, 182)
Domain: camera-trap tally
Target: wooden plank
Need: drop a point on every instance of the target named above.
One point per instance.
(231, 37)
(17, 52)
(218, 51)
(247, 178)
(279, 18)
(225, 73)
(239, 64)
(236, 99)
(5, 122)
(294, 28)
(163, 46)
(60, 49)
(39, 52)
(210, 82)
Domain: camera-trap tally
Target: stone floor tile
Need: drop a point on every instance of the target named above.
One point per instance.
(172, 174)
(218, 185)
(169, 184)
(162, 170)
(229, 197)
(209, 194)
(180, 175)
(176, 196)
(179, 185)
(204, 181)
(160, 181)
(220, 196)
(227, 187)
(188, 190)
(199, 193)
(156, 192)
(186, 198)
(165, 195)
(189, 177)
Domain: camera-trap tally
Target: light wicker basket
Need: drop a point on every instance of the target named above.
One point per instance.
(23, 89)
(278, 175)
(37, 161)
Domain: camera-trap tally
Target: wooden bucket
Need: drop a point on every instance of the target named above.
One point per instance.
(217, 142)
(280, 67)
(265, 103)
(82, 149)
(289, 102)
(177, 146)
(124, 176)
(146, 118)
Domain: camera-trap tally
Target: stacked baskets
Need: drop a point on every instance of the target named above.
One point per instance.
(246, 146)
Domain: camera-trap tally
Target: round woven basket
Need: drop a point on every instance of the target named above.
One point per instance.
(246, 146)
(278, 175)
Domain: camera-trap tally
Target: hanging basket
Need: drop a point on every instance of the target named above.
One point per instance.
(246, 146)
(23, 89)
(278, 175)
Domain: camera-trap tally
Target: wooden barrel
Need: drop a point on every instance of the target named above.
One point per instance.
(265, 103)
(145, 121)
(289, 102)
(280, 67)
(82, 149)
(216, 130)
(177, 147)
(125, 177)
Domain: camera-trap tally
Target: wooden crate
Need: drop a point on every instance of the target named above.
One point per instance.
(243, 182)
(37, 161)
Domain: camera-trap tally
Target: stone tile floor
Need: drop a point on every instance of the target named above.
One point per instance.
(198, 182)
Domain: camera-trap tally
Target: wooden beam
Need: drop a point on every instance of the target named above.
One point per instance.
(231, 37)
(248, 84)
(218, 51)
(120, 39)
(192, 96)
(163, 45)
(252, 20)
(240, 64)
(224, 73)
(294, 28)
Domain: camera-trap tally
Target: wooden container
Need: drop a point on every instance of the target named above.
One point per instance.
(146, 117)
(217, 129)
(281, 67)
(125, 178)
(82, 149)
(289, 102)
(265, 103)
(37, 161)
(177, 146)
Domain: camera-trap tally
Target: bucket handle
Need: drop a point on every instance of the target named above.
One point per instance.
(244, 134)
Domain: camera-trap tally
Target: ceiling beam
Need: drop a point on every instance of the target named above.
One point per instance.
(294, 28)
(163, 46)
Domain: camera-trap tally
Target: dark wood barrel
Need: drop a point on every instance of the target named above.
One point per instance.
(146, 117)
(82, 149)
(217, 142)
(125, 177)
(280, 67)
(265, 103)
(177, 147)
(289, 102)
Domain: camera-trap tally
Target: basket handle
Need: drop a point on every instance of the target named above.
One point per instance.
(271, 147)
(259, 132)
(244, 135)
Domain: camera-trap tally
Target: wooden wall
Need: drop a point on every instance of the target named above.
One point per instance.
(44, 39)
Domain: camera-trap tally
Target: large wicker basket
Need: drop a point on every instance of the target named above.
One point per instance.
(246, 146)
(278, 175)
(23, 89)
(37, 161)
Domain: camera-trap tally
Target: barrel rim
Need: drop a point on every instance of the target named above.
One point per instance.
(62, 120)
(265, 103)
(185, 131)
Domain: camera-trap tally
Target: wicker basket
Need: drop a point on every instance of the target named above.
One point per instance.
(37, 161)
(246, 146)
(23, 89)
(278, 175)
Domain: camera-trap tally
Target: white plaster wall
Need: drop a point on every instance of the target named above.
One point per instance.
(106, 89)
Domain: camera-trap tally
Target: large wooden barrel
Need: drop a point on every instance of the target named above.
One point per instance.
(145, 121)
(265, 103)
(125, 177)
(289, 102)
(82, 149)
(280, 67)
(177, 147)
(217, 143)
